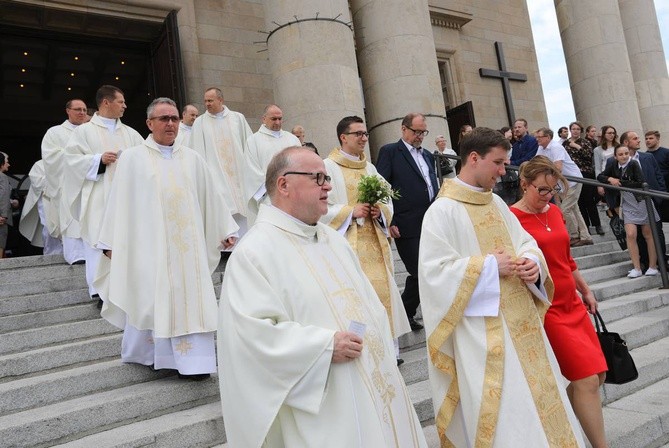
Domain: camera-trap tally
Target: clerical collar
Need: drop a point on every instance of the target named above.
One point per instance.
(350, 156)
(220, 114)
(465, 184)
(110, 123)
(166, 151)
(184, 125)
(276, 134)
(68, 124)
(294, 219)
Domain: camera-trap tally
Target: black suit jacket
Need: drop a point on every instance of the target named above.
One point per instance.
(396, 164)
(651, 173)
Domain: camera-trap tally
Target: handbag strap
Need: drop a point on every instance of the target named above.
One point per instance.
(598, 320)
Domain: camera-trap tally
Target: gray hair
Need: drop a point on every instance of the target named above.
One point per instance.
(157, 101)
(277, 167)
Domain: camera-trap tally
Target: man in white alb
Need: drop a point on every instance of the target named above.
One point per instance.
(220, 136)
(156, 279)
(58, 218)
(90, 161)
(188, 116)
(305, 352)
(269, 140)
(33, 219)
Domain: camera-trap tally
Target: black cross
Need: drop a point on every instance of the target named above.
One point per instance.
(505, 76)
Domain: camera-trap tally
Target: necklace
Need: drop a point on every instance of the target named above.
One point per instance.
(535, 214)
(548, 229)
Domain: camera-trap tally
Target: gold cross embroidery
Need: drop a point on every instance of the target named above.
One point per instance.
(183, 347)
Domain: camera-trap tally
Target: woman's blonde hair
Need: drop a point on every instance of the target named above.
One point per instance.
(539, 165)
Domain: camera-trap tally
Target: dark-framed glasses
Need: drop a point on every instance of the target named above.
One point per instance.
(166, 118)
(78, 109)
(544, 191)
(358, 134)
(419, 133)
(320, 178)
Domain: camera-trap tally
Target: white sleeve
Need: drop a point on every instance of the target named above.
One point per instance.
(539, 291)
(302, 396)
(93, 170)
(344, 225)
(485, 298)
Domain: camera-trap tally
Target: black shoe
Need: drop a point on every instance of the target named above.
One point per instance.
(99, 304)
(415, 326)
(79, 262)
(400, 361)
(599, 230)
(198, 377)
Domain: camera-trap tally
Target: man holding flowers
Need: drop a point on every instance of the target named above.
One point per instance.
(360, 208)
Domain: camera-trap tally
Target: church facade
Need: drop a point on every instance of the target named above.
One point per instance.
(458, 62)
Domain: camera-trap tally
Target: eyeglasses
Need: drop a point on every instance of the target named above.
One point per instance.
(166, 118)
(79, 109)
(358, 134)
(320, 178)
(418, 133)
(544, 191)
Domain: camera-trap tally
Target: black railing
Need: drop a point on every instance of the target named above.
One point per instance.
(646, 192)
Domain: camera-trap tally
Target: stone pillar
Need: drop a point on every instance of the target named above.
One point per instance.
(313, 65)
(649, 67)
(398, 66)
(599, 70)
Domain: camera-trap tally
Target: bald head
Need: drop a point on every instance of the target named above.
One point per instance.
(272, 118)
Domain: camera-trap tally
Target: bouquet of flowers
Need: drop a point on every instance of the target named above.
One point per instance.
(373, 189)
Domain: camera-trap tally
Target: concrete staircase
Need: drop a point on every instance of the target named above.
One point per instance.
(62, 384)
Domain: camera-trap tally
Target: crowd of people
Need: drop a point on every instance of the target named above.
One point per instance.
(310, 313)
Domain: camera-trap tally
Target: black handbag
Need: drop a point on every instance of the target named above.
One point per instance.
(618, 359)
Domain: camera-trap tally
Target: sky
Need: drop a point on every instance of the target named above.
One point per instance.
(552, 67)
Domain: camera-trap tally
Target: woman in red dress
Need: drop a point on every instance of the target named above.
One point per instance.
(567, 324)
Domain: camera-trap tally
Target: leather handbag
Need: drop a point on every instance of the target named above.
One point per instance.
(618, 359)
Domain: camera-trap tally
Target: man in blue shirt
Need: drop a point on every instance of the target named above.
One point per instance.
(525, 146)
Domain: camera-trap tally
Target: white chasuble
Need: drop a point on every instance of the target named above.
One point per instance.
(85, 197)
(53, 152)
(366, 236)
(222, 139)
(30, 224)
(165, 221)
(262, 146)
(278, 314)
(495, 380)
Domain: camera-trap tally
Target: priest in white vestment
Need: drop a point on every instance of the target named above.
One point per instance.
(33, 216)
(305, 351)
(90, 161)
(220, 136)
(163, 229)
(365, 226)
(485, 289)
(262, 146)
(59, 220)
(188, 116)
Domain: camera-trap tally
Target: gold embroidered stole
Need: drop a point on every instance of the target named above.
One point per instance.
(376, 367)
(368, 241)
(221, 131)
(522, 314)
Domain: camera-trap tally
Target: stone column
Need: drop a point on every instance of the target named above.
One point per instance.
(599, 70)
(313, 65)
(398, 66)
(649, 67)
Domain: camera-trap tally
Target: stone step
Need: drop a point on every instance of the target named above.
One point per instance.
(624, 286)
(34, 391)
(639, 419)
(82, 311)
(602, 259)
(54, 334)
(41, 302)
(642, 328)
(415, 364)
(609, 271)
(43, 359)
(198, 426)
(42, 287)
(32, 261)
(40, 273)
(71, 419)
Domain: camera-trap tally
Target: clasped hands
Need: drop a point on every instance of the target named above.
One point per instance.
(365, 210)
(526, 269)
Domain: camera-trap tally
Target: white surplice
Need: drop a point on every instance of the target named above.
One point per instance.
(262, 146)
(222, 140)
(30, 225)
(288, 287)
(495, 380)
(183, 136)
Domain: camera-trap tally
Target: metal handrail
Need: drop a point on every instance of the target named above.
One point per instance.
(646, 192)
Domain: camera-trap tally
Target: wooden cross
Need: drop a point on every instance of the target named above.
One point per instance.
(505, 76)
